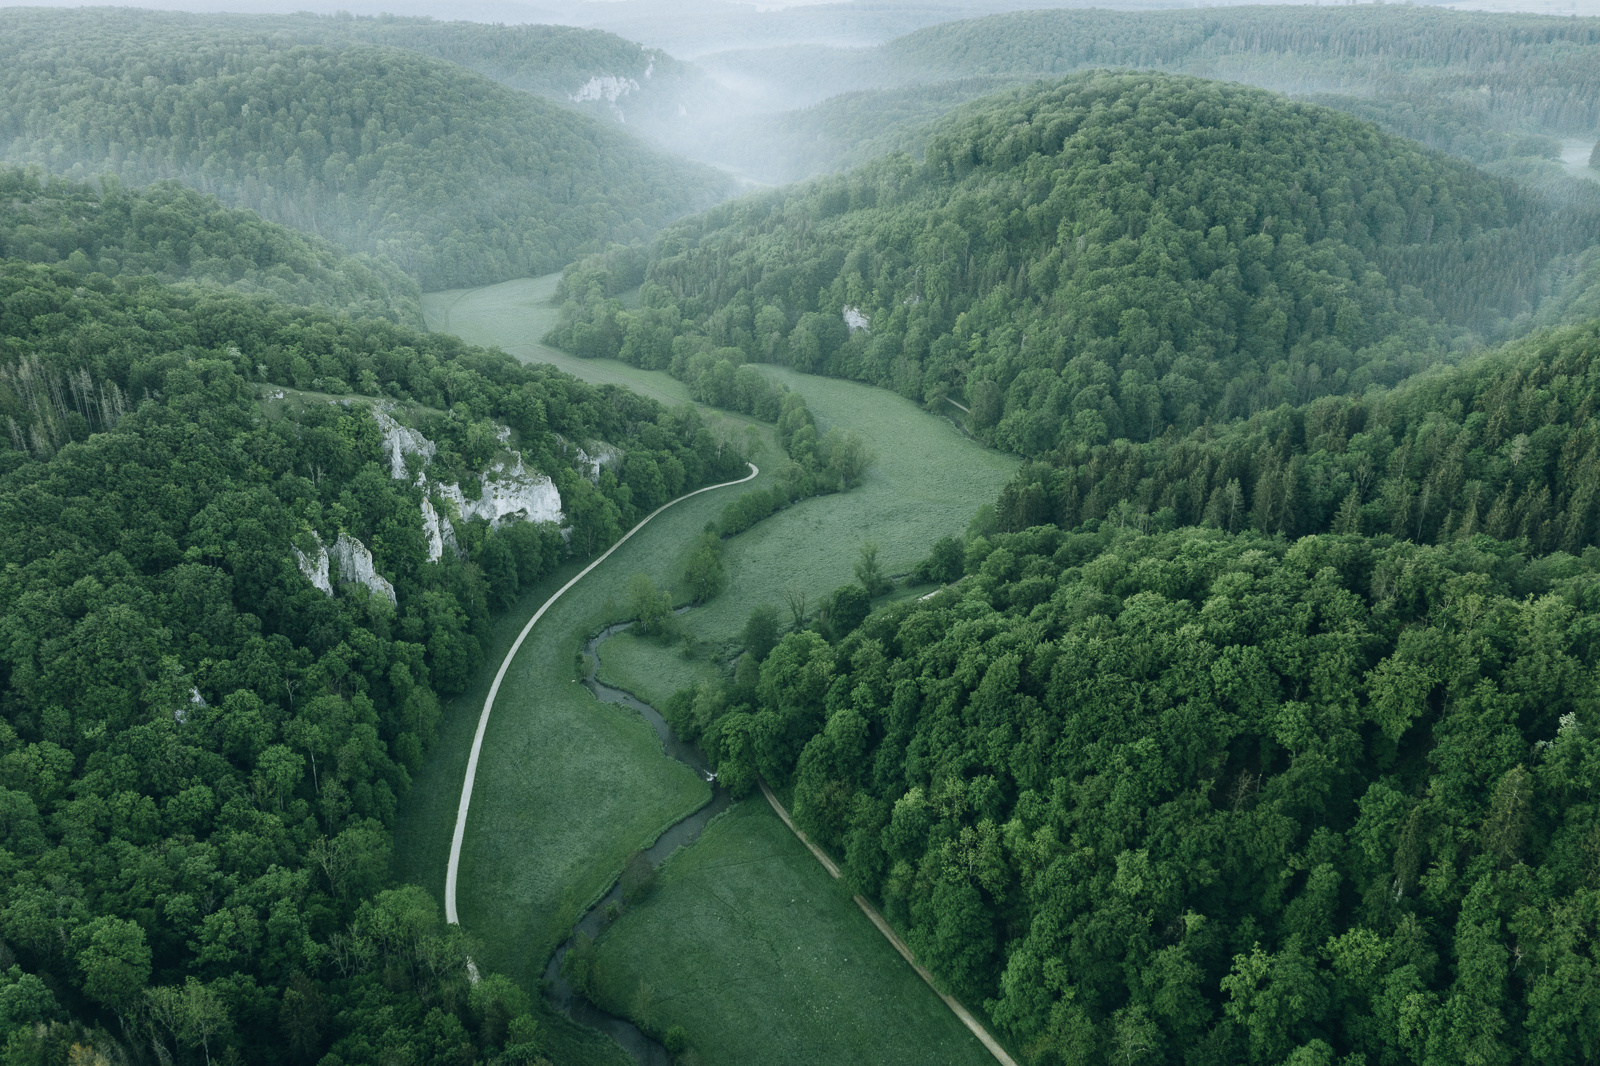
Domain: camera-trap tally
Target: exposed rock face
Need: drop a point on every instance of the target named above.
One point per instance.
(398, 441)
(355, 564)
(431, 530)
(315, 566)
(509, 494)
(604, 455)
(854, 319)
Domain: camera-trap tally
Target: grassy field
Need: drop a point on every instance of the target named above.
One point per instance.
(567, 787)
(515, 314)
(651, 669)
(762, 957)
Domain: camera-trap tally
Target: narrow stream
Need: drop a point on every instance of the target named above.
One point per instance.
(560, 994)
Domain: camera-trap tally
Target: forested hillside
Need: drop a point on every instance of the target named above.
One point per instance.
(202, 747)
(1103, 258)
(456, 178)
(176, 234)
(1473, 84)
(1506, 445)
(1202, 798)
(1524, 69)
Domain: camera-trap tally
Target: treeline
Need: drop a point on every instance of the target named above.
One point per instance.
(1536, 72)
(176, 234)
(1101, 258)
(1507, 444)
(456, 178)
(1201, 798)
(201, 754)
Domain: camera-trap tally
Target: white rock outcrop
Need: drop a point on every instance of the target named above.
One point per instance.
(508, 493)
(355, 564)
(854, 319)
(431, 529)
(400, 441)
(604, 455)
(315, 566)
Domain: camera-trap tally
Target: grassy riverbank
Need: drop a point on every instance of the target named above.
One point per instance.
(567, 787)
(749, 945)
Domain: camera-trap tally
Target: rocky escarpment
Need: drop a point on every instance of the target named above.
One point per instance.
(507, 492)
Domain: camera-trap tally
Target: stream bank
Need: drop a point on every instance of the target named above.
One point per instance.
(559, 992)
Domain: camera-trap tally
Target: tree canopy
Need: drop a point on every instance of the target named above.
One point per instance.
(1204, 798)
(201, 751)
(1105, 257)
(457, 178)
(176, 234)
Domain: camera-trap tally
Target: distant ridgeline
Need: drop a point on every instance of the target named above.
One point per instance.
(456, 178)
(228, 609)
(176, 234)
(1098, 259)
(1487, 87)
(1541, 70)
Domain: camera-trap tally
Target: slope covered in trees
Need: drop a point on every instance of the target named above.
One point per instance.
(1473, 84)
(1101, 258)
(1204, 798)
(176, 234)
(1507, 445)
(201, 752)
(456, 178)
(1540, 71)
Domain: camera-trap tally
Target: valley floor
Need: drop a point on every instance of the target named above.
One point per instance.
(567, 786)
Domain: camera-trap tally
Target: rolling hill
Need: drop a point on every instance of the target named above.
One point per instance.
(457, 178)
(1102, 257)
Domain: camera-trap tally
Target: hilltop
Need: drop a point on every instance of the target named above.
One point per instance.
(455, 177)
(1103, 257)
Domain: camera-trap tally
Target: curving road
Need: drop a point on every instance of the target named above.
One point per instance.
(488, 703)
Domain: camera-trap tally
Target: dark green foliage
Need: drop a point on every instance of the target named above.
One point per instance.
(649, 607)
(761, 632)
(1208, 798)
(869, 572)
(457, 179)
(1507, 444)
(943, 565)
(1104, 258)
(638, 878)
(176, 234)
(201, 754)
(705, 575)
(847, 609)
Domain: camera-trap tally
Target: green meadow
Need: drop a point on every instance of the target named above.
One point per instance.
(762, 957)
(568, 787)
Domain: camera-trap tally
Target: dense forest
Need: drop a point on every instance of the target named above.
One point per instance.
(176, 234)
(1543, 72)
(201, 750)
(456, 178)
(1478, 85)
(1209, 798)
(1505, 444)
(1103, 258)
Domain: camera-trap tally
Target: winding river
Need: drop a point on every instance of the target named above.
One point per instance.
(561, 995)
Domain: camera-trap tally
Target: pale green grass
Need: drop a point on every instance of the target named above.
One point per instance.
(514, 315)
(749, 945)
(650, 669)
(567, 787)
